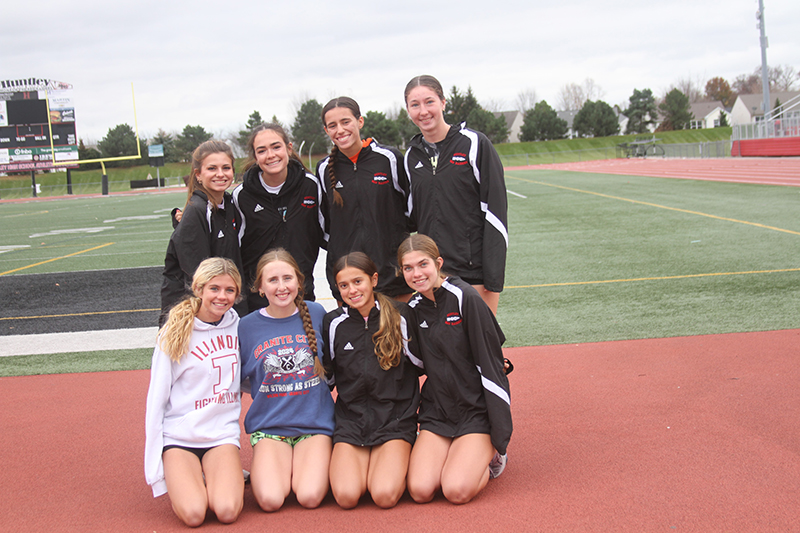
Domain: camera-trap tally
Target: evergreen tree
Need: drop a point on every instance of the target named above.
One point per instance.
(493, 127)
(190, 138)
(542, 124)
(85, 153)
(676, 111)
(380, 128)
(405, 127)
(253, 121)
(168, 141)
(308, 127)
(459, 106)
(119, 141)
(641, 112)
(596, 119)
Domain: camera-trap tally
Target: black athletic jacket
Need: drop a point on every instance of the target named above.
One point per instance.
(291, 220)
(373, 405)
(461, 203)
(373, 217)
(203, 232)
(460, 344)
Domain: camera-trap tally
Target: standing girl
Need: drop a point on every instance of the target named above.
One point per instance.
(209, 224)
(458, 193)
(193, 403)
(365, 197)
(465, 410)
(279, 204)
(368, 356)
(291, 418)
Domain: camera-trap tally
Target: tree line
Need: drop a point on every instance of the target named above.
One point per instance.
(593, 118)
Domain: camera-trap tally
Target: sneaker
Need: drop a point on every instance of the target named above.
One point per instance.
(246, 475)
(497, 465)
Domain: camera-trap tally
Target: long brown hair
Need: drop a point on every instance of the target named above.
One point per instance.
(175, 335)
(425, 81)
(352, 105)
(278, 129)
(279, 254)
(388, 339)
(198, 156)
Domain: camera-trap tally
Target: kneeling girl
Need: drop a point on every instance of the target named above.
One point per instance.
(367, 354)
(290, 421)
(193, 403)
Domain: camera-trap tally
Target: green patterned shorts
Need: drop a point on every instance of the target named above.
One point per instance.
(291, 441)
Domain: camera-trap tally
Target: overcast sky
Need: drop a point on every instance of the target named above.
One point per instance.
(214, 63)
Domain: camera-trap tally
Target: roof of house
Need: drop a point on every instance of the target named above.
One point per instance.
(509, 116)
(701, 110)
(567, 115)
(753, 101)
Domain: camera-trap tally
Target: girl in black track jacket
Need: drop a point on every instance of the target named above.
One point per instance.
(279, 205)
(465, 409)
(208, 228)
(458, 192)
(368, 357)
(365, 194)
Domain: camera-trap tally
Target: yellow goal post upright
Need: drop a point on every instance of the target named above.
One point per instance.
(102, 160)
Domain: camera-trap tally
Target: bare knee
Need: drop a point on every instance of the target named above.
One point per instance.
(458, 493)
(228, 511)
(311, 497)
(192, 515)
(347, 499)
(386, 497)
(420, 491)
(268, 501)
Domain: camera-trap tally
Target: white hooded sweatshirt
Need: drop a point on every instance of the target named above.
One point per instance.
(195, 402)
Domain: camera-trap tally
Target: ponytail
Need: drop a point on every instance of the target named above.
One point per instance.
(176, 333)
(388, 339)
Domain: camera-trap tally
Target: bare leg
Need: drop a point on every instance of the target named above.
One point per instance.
(492, 299)
(466, 470)
(224, 482)
(271, 473)
(187, 492)
(388, 467)
(310, 470)
(349, 466)
(425, 466)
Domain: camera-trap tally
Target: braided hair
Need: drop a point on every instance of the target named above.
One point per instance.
(352, 105)
(280, 254)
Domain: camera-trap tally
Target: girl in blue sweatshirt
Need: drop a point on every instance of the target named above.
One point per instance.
(290, 421)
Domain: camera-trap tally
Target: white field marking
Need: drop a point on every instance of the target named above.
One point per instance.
(167, 210)
(11, 247)
(516, 194)
(78, 341)
(68, 231)
(139, 217)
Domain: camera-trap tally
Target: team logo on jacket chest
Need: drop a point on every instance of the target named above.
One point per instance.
(452, 319)
(459, 159)
(309, 202)
(380, 178)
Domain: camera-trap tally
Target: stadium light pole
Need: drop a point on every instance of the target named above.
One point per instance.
(764, 68)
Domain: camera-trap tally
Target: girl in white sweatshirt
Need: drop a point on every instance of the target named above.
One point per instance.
(193, 403)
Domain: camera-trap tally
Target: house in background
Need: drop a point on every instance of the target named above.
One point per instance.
(514, 121)
(707, 115)
(568, 116)
(748, 107)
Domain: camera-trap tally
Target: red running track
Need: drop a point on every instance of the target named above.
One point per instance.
(687, 434)
(762, 170)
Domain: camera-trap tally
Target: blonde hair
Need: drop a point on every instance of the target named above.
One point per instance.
(388, 339)
(175, 335)
(279, 254)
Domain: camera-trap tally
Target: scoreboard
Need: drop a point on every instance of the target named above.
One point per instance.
(24, 130)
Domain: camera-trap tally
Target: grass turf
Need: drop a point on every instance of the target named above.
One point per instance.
(592, 257)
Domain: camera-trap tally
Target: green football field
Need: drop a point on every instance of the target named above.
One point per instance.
(592, 257)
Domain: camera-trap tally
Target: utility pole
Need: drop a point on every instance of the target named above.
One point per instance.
(764, 68)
